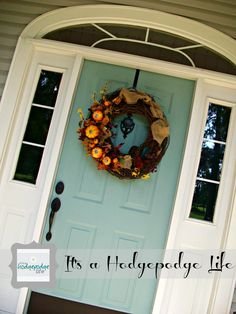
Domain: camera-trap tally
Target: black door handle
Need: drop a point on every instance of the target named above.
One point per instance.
(55, 206)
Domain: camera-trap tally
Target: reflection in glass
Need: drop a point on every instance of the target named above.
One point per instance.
(28, 163)
(211, 161)
(217, 122)
(204, 200)
(38, 125)
(47, 88)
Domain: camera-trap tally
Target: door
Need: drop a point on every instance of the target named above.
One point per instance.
(99, 211)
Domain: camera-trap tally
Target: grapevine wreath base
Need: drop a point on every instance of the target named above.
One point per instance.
(96, 133)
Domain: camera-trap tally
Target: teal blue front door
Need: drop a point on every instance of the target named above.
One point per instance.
(99, 211)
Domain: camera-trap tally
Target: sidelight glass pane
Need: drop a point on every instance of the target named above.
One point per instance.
(38, 125)
(204, 200)
(47, 88)
(28, 163)
(211, 161)
(217, 122)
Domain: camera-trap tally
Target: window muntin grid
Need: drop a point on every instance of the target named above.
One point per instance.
(147, 42)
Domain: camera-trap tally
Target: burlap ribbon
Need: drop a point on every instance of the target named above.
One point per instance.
(160, 127)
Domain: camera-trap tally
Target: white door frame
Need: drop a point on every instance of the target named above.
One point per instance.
(29, 44)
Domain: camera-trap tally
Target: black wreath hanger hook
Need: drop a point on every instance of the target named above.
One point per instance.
(136, 77)
(127, 124)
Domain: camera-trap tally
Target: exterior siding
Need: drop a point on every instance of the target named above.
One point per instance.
(14, 17)
(16, 14)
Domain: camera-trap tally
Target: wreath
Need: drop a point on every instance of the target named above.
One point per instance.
(96, 133)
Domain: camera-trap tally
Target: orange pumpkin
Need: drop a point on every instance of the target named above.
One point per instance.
(92, 131)
(106, 160)
(97, 152)
(98, 115)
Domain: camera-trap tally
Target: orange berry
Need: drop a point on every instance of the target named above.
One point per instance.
(105, 120)
(107, 103)
(115, 160)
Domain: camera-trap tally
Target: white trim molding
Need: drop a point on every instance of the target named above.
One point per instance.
(127, 15)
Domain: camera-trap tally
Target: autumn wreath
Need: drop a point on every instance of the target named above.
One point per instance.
(96, 133)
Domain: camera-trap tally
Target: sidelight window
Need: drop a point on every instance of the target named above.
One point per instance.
(211, 163)
(37, 127)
